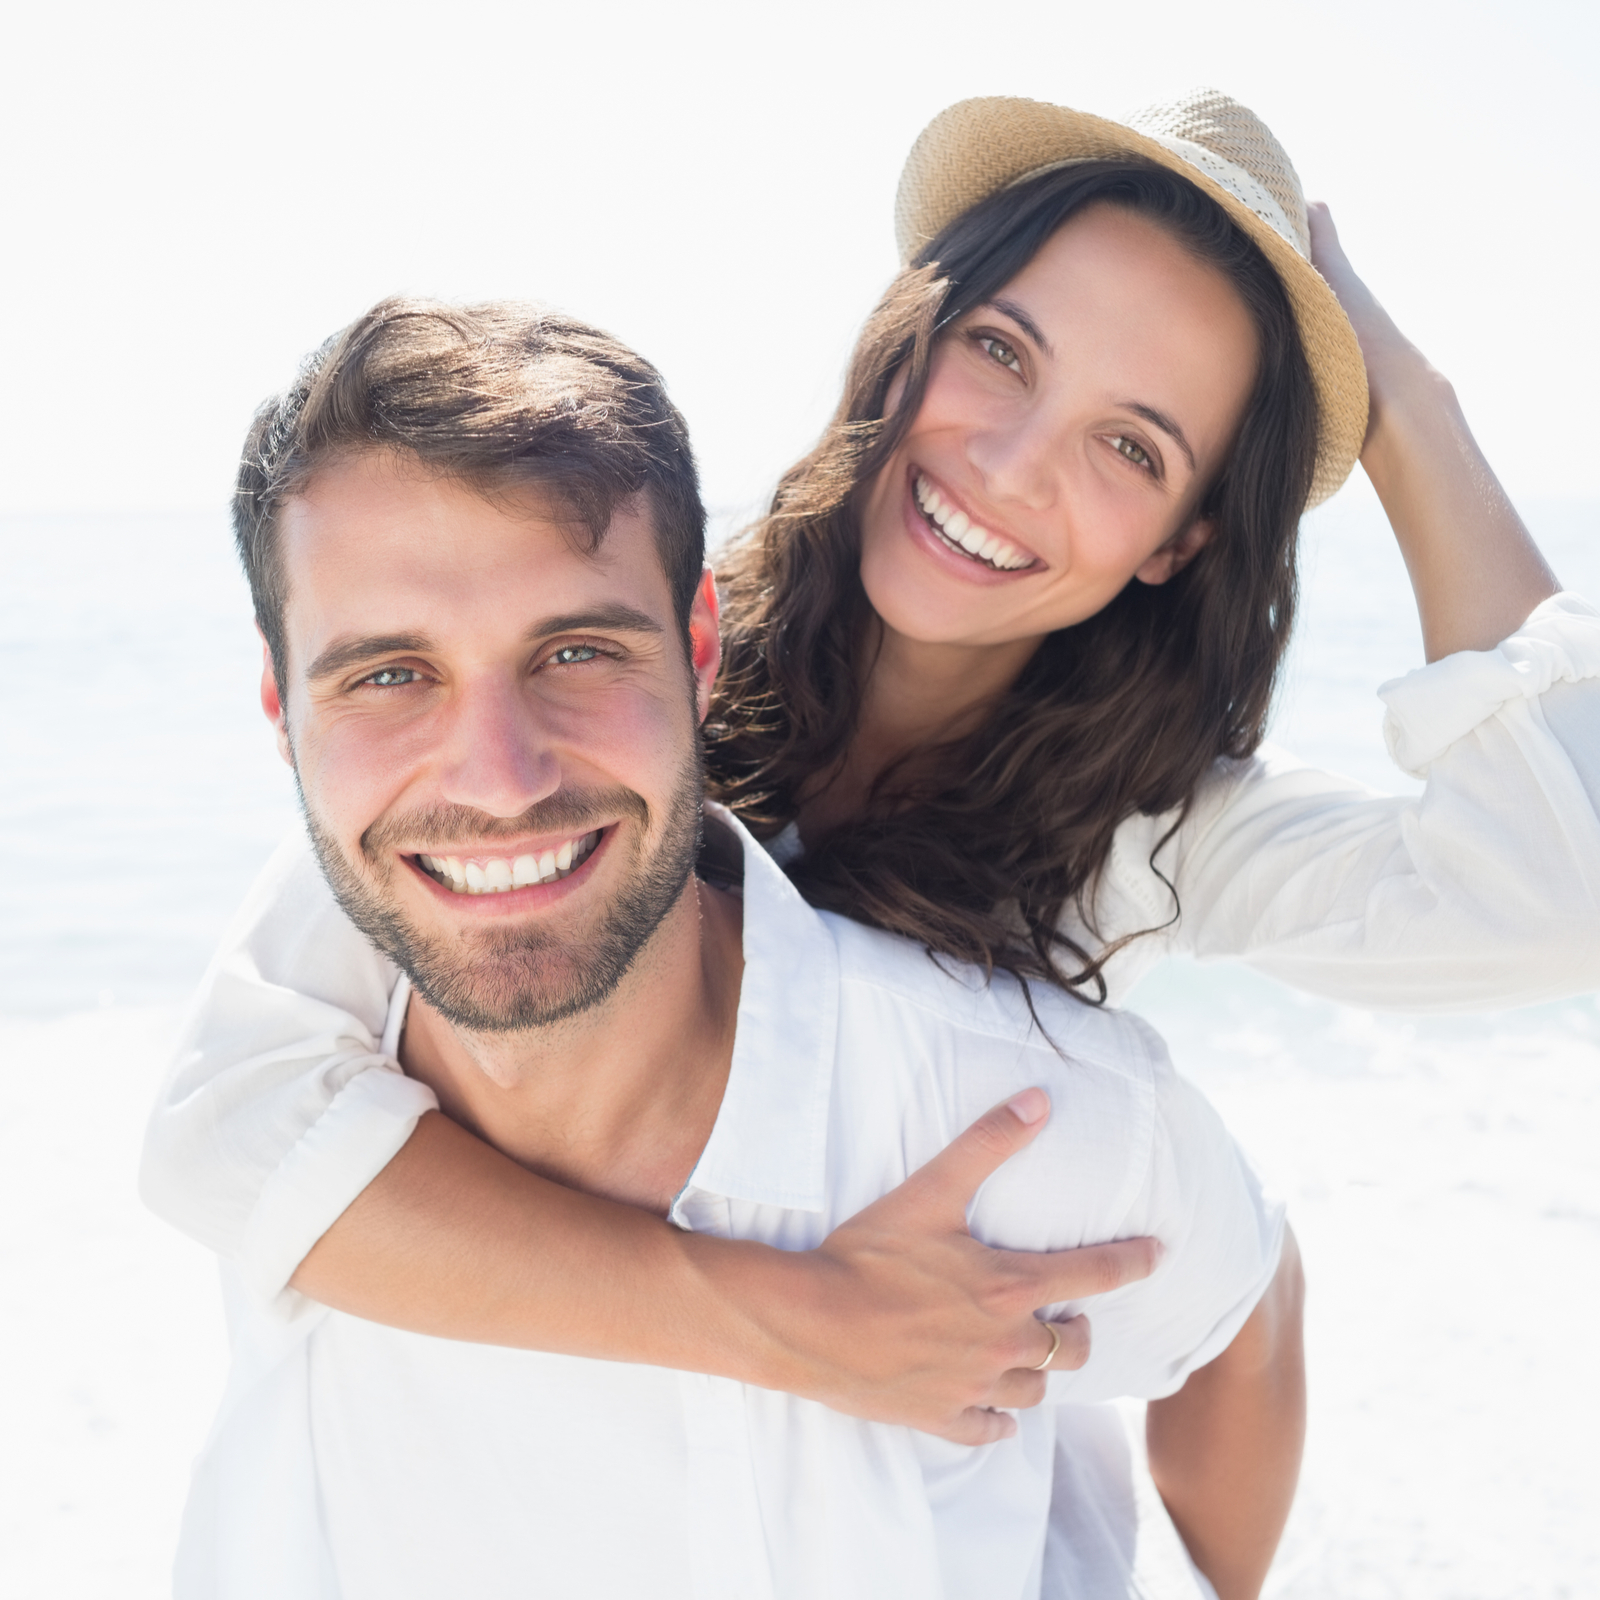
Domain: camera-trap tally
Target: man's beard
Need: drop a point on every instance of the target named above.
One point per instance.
(494, 980)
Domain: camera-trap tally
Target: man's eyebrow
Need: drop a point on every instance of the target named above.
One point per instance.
(1168, 425)
(1023, 321)
(343, 654)
(616, 618)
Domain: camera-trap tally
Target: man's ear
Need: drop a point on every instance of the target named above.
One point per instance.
(705, 641)
(272, 701)
(1177, 552)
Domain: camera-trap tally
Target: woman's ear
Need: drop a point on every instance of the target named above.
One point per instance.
(1177, 552)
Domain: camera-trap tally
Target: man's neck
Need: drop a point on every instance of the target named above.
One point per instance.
(620, 1099)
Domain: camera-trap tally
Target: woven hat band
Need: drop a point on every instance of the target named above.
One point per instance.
(1244, 188)
(1211, 127)
(1239, 183)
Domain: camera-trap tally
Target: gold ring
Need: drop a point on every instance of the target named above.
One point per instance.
(1055, 1344)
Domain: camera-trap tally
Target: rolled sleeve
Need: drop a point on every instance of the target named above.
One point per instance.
(280, 1106)
(1432, 708)
(1482, 891)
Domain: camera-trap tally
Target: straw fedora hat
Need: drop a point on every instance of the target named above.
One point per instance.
(979, 146)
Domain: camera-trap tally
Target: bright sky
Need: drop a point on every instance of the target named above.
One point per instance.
(194, 194)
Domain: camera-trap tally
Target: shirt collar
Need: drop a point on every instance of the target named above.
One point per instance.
(769, 1143)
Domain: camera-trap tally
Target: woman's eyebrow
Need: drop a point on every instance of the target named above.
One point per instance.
(1159, 419)
(1011, 309)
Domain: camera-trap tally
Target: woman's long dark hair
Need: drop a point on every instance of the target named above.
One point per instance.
(979, 847)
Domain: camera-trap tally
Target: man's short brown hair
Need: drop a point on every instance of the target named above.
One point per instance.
(501, 396)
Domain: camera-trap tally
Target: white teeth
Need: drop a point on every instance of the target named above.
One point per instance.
(499, 875)
(962, 532)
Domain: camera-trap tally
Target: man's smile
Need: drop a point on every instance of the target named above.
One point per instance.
(478, 872)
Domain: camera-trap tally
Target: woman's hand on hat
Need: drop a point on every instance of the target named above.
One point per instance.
(1393, 362)
(1474, 566)
(902, 1316)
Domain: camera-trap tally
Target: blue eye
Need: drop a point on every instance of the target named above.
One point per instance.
(392, 677)
(571, 655)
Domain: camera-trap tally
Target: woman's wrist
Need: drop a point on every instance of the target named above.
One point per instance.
(1413, 417)
(738, 1298)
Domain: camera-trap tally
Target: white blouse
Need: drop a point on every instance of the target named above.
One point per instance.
(1484, 890)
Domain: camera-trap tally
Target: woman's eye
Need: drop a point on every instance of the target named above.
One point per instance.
(392, 677)
(1133, 450)
(1001, 352)
(571, 655)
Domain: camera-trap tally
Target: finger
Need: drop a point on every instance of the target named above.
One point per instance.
(979, 1425)
(1063, 1347)
(1092, 1269)
(952, 1177)
(1073, 1350)
(1019, 1389)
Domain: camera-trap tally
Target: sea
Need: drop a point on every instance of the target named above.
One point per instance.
(1441, 1172)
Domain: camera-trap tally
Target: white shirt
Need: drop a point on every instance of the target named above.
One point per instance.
(358, 1461)
(1483, 891)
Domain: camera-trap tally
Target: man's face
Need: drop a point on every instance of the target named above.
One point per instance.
(493, 732)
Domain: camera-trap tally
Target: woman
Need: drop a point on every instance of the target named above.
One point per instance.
(1000, 657)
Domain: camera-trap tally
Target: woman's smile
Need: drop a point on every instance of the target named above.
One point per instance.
(963, 534)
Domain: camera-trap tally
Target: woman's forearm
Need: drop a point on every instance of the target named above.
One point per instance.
(900, 1315)
(454, 1239)
(1473, 564)
(1225, 1449)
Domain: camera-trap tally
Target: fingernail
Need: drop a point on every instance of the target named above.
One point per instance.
(1029, 1107)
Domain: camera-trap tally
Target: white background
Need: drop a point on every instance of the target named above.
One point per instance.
(195, 194)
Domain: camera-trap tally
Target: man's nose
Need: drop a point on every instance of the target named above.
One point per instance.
(498, 757)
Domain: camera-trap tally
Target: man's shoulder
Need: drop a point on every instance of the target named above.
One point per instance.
(993, 1014)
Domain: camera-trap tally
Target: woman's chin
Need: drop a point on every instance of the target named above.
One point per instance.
(932, 613)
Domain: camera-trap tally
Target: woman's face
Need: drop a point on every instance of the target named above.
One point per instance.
(1069, 429)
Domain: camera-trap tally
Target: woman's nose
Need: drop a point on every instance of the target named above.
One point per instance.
(1020, 459)
(498, 756)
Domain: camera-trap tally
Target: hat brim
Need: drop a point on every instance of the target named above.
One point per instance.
(976, 147)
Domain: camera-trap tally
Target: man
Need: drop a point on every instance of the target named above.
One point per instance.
(490, 642)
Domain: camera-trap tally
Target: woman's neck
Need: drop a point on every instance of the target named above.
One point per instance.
(917, 695)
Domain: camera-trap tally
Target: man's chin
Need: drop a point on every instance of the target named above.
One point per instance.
(506, 984)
